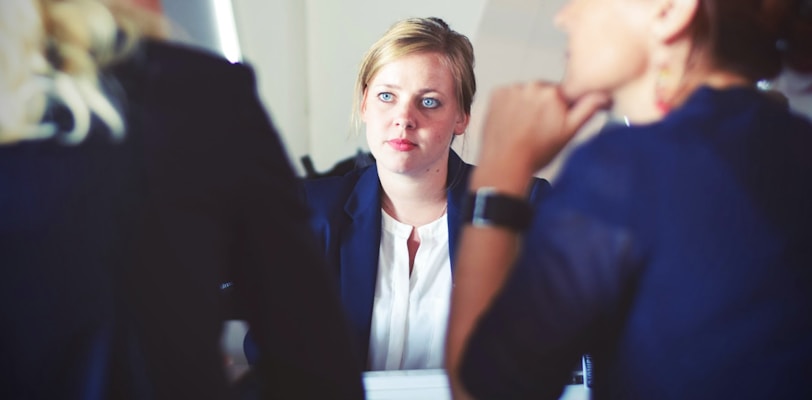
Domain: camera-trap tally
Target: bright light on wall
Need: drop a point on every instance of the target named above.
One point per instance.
(227, 30)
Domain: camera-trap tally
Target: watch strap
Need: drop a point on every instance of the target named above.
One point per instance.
(487, 207)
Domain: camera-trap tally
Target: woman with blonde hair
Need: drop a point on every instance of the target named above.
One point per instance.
(675, 250)
(135, 177)
(389, 230)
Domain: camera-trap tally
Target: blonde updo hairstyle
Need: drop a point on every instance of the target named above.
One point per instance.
(420, 35)
(53, 50)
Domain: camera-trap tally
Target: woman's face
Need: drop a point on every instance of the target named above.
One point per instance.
(411, 113)
(608, 46)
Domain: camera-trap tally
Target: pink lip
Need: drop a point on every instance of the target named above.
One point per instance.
(401, 144)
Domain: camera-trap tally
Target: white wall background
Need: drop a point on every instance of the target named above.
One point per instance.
(306, 53)
(517, 41)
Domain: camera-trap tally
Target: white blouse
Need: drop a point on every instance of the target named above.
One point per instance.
(410, 313)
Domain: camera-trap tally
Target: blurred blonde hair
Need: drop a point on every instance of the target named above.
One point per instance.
(420, 35)
(54, 50)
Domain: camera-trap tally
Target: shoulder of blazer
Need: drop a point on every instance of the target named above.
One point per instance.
(459, 173)
(333, 196)
(177, 68)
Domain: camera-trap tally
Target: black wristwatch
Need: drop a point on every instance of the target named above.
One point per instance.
(487, 207)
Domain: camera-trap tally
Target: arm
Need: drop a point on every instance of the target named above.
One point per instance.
(288, 295)
(526, 127)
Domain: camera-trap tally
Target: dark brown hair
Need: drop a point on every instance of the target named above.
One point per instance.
(755, 38)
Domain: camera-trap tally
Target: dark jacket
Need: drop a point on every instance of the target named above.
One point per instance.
(676, 253)
(346, 216)
(113, 253)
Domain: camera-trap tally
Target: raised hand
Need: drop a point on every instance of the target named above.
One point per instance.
(529, 123)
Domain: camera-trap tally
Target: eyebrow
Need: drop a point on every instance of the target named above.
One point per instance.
(421, 91)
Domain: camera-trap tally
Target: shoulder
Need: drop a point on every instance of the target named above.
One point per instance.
(331, 193)
(460, 172)
(184, 67)
(599, 177)
(176, 58)
(615, 146)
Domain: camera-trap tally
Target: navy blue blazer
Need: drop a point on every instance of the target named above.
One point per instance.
(112, 254)
(676, 253)
(346, 217)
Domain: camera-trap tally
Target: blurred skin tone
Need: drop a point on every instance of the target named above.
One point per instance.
(616, 49)
(411, 115)
(609, 52)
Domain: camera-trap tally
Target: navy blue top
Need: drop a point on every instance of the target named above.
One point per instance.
(346, 216)
(677, 254)
(112, 254)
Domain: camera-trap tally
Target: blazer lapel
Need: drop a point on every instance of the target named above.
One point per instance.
(360, 245)
(458, 173)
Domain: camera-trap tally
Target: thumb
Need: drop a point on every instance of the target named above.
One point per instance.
(583, 109)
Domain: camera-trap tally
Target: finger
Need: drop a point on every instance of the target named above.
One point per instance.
(584, 109)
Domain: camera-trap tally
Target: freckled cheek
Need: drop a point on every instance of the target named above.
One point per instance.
(385, 116)
(377, 120)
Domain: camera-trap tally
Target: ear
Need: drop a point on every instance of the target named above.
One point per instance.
(462, 123)
(672, 18)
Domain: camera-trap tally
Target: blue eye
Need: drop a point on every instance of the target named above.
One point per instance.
(428, 102)
(386, 97)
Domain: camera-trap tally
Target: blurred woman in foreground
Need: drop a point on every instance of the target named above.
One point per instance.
(135, 177)
(674, 250)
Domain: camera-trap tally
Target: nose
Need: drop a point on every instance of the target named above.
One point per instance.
(405, 116)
